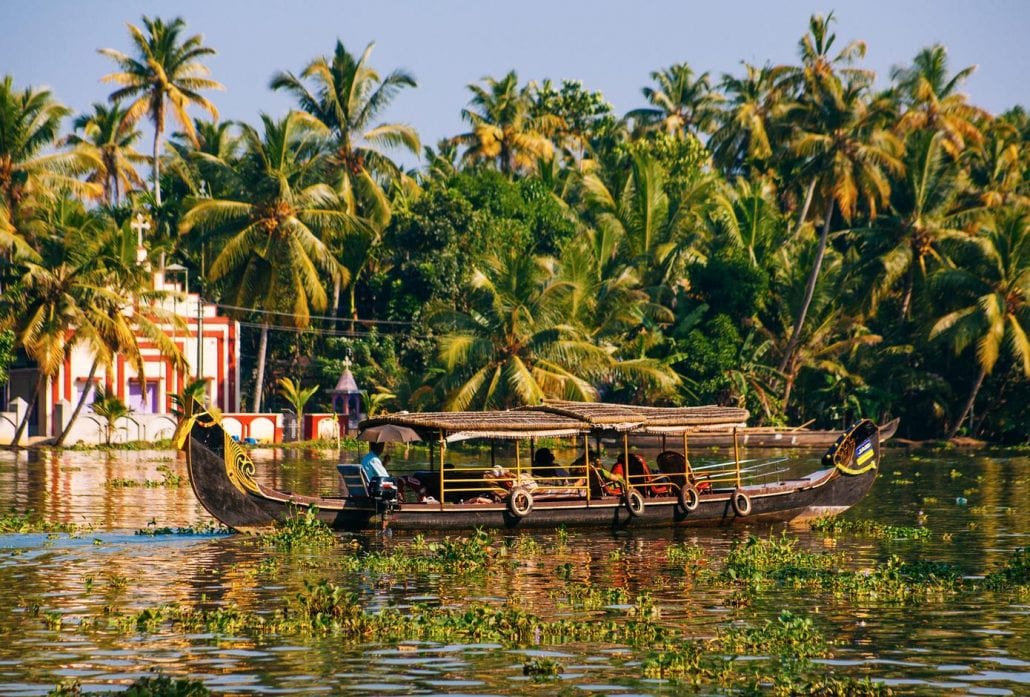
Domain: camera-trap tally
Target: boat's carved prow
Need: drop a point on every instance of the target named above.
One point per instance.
(239, 467)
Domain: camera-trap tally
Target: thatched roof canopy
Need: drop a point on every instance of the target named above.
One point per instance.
(563, 418)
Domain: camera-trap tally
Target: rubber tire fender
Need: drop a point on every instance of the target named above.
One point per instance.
(741, 503)
(634, 502)
(520, 502)
(689, 498)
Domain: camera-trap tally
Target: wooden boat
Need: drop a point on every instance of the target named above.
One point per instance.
(770, 437)
(676, 494)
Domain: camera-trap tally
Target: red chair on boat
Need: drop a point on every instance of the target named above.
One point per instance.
(673, 465)
(639, 476)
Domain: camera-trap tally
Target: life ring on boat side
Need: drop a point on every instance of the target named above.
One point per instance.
(741, 503)
(689, 498)
(520, 502)
(634, 502)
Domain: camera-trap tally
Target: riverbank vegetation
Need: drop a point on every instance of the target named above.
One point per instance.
(799, 239)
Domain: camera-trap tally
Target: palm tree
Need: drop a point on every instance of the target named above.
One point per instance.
(31, 170)
(609, 306)
(992, 289)
(519, 342)
(754, 119)
(749, 217)
(934, 104)
(648, 229)
(514, 346)
(277, 229)
(109, 137)
(110, 408)
(504, 128)
(680, 103)
(924, 212)
(821, 77)
(190, 160)
(821, 72)
(298, 397)
(850, 157)
(348, 95)
(166, 72)
(122, 311)
(75, 290)
(998, 168)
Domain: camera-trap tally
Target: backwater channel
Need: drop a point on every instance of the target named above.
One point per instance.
(59, 592)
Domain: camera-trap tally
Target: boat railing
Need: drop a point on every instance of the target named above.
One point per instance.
(470, 482)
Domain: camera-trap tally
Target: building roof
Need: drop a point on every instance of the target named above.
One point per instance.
(346, 384)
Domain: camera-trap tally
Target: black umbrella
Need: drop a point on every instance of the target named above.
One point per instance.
(389, 433)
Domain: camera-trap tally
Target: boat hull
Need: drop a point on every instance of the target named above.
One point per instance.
(220, 475)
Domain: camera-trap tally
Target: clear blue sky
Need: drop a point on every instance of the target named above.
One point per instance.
(447, 44)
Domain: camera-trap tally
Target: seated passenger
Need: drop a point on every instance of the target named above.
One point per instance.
(380, 484)
(545, 468)
(502, 481)
(638, 474)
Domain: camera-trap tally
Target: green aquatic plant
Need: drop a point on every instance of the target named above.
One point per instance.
(683, 554)
(793, 638)
(157, 686)
(169, 480)
(1014, 575)
(300, 530)
(525, 546)
(788, 684)
(204, 527)
(758, 560)
(542, 668)
(870, 528)
(28, 523)
(586, 596)
(463, 553)
(682, 662)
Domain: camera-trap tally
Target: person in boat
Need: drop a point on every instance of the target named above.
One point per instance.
(544, 467)
(380, 484)
(639, 475)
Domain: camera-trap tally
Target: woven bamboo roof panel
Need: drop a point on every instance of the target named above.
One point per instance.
(566, 416)
(603, 414)
(479, 421)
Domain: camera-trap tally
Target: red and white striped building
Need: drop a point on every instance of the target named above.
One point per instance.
(149, 396)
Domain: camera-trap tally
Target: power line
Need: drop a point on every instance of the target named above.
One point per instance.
(327, 332)
(318, 317)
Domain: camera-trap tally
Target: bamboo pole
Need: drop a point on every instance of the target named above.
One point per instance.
(625, 460)
(586, 463)
(736, 454)
(687, 472)
(442, 492)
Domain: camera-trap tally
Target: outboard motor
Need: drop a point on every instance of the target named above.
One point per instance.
(383, 489)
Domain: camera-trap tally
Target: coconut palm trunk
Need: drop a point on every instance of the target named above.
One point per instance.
(78, 406)
(969, 402)
(157, 165)
(259, 384)
(808, 202)
(335, 314)
(809, 288)
(41, 384)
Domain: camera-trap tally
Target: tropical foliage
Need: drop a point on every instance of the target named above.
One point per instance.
(798, 238)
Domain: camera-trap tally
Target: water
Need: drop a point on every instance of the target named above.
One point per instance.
(976, 504)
